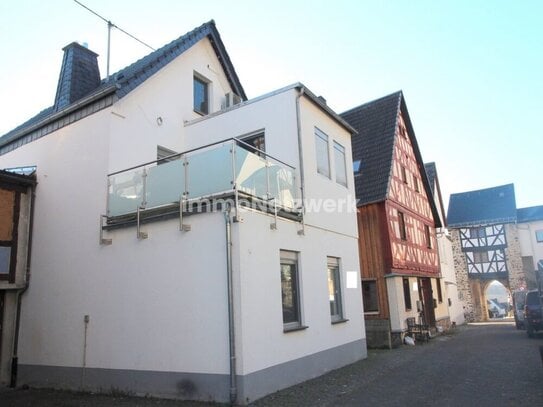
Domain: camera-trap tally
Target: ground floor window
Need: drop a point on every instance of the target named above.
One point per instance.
(334, 289)
(290, 289)
(369, 296)
(406, 293)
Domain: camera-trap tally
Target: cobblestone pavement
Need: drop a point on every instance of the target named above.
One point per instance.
(481, 364)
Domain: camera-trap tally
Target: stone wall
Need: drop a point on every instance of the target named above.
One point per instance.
(513, 257)
(462, 279)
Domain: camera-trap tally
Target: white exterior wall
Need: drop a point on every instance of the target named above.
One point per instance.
(446, 261)
(529, 246)
(135, 132)
(398, 313)
(263, 341)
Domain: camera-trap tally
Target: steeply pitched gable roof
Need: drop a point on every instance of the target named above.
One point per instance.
(127, 79)
(376, 123)
(374, 145)
(483, 207)
(530, 214)
(433, 180)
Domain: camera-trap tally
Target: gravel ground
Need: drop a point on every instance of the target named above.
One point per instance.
(484, 365)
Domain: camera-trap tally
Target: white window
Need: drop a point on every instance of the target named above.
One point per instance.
(539, 236)
(290, 290)
(323, 159)
(334, 289)
(341, 168)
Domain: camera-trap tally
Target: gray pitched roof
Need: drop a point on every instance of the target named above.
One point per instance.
(376, 124)
(530, 214)
(431, 173)
(373, 146)
(127, 79)
(483, 207)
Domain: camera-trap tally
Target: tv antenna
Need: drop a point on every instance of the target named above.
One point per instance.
(110, 25)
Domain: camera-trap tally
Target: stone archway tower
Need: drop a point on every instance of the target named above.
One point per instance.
(486, 245)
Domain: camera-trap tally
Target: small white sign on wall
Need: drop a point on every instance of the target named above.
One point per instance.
(352, 279)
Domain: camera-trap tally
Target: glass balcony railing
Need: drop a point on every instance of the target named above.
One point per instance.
(207, 172)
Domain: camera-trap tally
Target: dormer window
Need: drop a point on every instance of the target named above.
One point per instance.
(201, 95)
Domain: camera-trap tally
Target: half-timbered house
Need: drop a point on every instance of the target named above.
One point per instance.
(483, 226)
(397, 217)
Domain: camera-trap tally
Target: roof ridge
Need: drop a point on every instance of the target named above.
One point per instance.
(363, 105)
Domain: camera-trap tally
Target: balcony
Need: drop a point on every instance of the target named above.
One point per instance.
(181, 182)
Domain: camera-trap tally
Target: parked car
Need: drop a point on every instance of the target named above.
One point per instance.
(533, 312)
(519, 299)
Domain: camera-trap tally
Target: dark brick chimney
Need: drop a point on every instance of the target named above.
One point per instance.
(79, 75)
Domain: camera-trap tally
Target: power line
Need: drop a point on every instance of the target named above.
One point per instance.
(110, 24)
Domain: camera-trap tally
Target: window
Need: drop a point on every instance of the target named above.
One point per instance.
(475, 233)
(162, 153)
(401, 223)
(428, 236)
(539, 236)
(256, 140)
(416, 183)
(201, 95)
(406, 293)
(404, 175)
(339, 160)
(323, 160)
(369, 296)
(356, 165)
(334, 289)
(289, 289)
(5, 258)
(439, 293)
(480, 257)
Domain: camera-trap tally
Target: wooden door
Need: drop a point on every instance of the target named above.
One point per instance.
(425, 290)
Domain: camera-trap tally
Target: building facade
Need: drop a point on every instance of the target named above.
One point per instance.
(397, 220)
(486, 245)
(175, 254)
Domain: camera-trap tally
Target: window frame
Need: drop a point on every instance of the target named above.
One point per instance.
(428, 235)
(162, 154)
(407, 294)
(322, 136)
(333, 271)
(478, 257)
(404, 175)
(340, 162)
(402, 226)
(198, 78)
(364, 297)
(291, 259)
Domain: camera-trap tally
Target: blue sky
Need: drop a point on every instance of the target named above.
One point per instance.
(471, 71)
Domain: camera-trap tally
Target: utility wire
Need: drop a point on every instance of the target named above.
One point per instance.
(115, 26)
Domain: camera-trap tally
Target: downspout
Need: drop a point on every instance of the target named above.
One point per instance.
(300, 148)
(231, 328)
(15, 358)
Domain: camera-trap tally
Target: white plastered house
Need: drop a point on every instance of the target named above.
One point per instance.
(202, 275)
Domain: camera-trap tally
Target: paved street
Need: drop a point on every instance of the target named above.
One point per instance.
(479, 365)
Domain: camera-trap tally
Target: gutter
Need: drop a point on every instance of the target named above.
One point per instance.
(15, 357)
(69, 109)
(231, 326)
